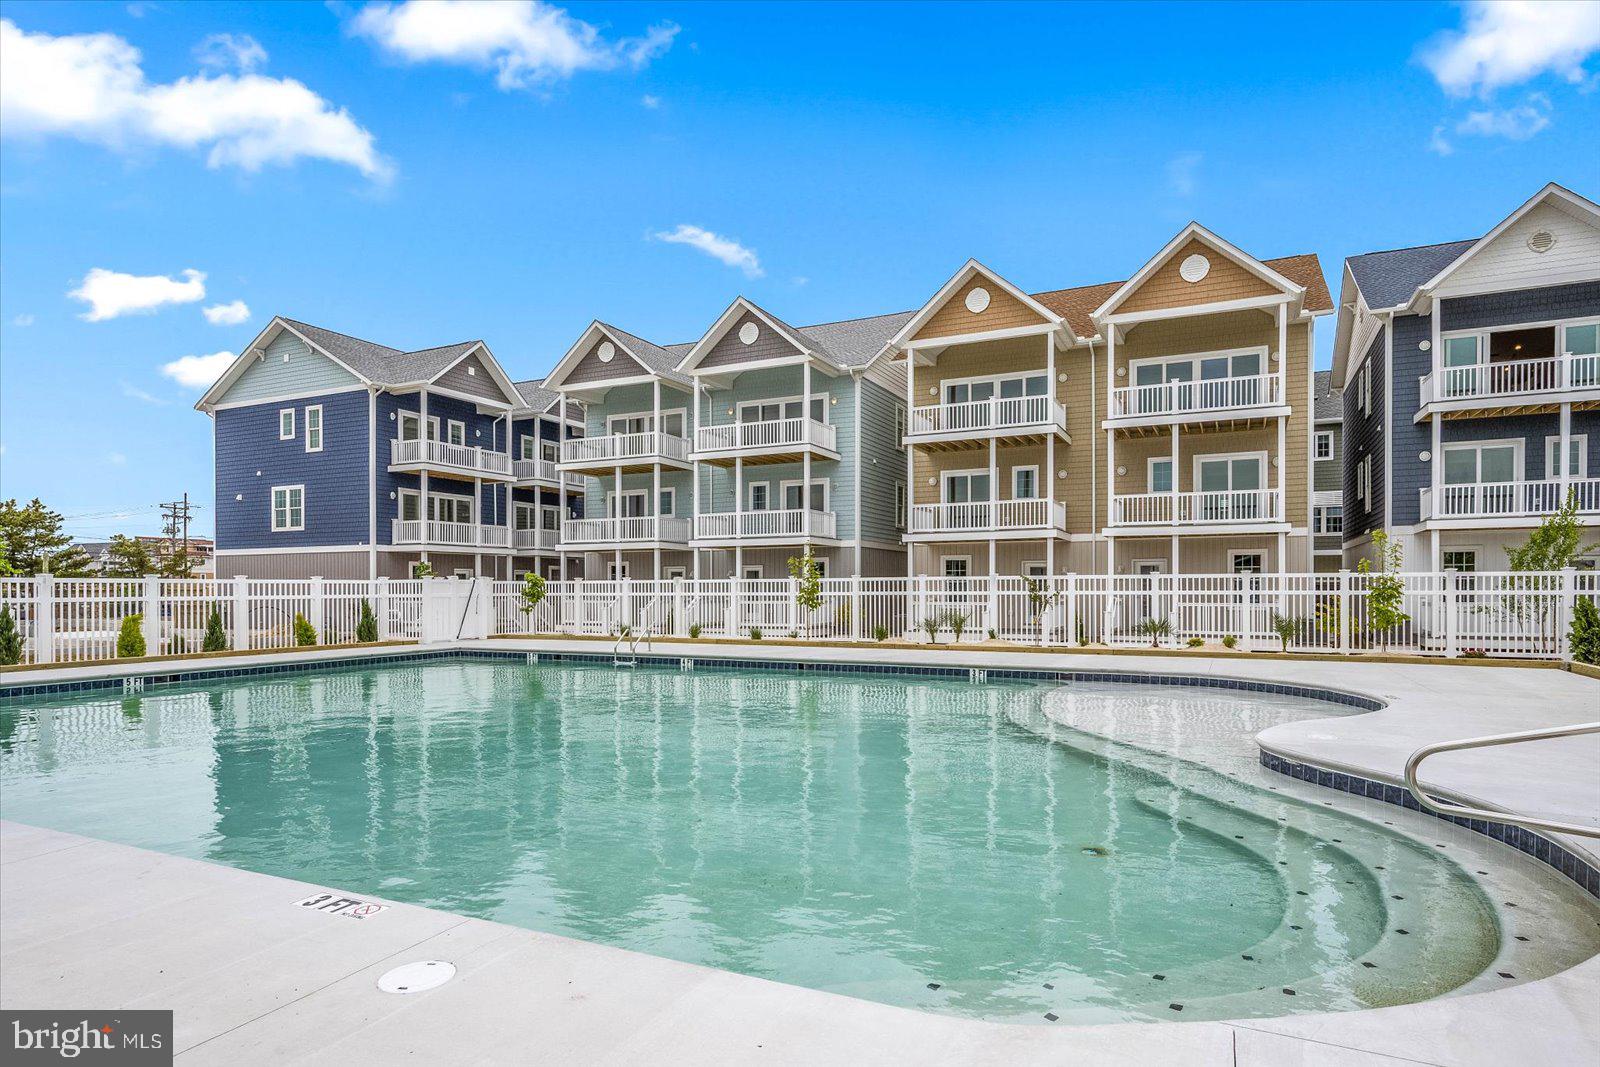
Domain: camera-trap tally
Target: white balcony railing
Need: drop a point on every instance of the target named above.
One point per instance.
(542, 470)
(670, 529)
(983, 416)
(797, 523)
(624, 448)
(444, 454)
(1197, 509)
(534, 540)
(985, 515)
(772, 433)
(1197, 398)
(1489, 500)
(1512, 377)
(464, 534)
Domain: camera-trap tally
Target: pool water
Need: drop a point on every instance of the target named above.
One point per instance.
(921, 842)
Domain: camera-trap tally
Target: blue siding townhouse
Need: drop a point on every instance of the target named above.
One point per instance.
(1470, 373)
(341, 458)
(543, 496)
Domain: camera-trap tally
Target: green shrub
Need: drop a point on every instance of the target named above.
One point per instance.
(957, 621)
(880, 633)
(179, 647)
(1584, 634)
(10, 639)
(792, 634)
(1230, 641)
(304, 632)
(1155, 630)
(130, 639)
(694, 631)
(1285, 628)
(755, 633)
(367, 624)
(216, 639)
(1196, 642)
(992, 635)
(930, 623)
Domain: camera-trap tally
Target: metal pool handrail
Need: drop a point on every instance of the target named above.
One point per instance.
(1491, 741)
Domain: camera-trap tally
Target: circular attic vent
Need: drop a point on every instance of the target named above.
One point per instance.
(1194, 268)
(977, 300)
(749, 332)
(607, 352)
(1541, 240)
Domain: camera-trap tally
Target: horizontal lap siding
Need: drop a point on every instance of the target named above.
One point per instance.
(1165, 288)
(304, 370)
(483, 431)
(880, 466)
(1508, 263)
(286, 565)
(1134, 453)
(1365, 433)
(1328, 474)
(335, 478)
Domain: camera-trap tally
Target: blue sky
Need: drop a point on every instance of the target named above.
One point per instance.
(419, 176)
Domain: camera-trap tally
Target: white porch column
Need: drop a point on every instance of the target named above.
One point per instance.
(1049, 473)
(477, 526)
(805, 454)
(991, 619)
(1283, 353)
(423, 508)
(738, 515)
(911, 464)
(1564, 453)
(1111, 452)
(1173, 459)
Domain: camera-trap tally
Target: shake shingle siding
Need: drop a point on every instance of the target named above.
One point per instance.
(1364, 437)
(1579, 300)
(335, 478)
(1410, 439)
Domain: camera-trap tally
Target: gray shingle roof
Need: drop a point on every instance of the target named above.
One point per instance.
(1327, 403)
(853, 342)
(380, 363)
(662, 361)
(1389, 279)
(536, 397)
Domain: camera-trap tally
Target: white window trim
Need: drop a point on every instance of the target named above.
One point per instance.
(1234, 553)
(1163, 566)
(1044, 571)
(670, 493)
(900, 423)
(1560, 326)
(766, 487)
(1364, 483)
(1566, 324)
(613, 512)
(527, 446)
(675, 571)
(782, 400)
(946, 383)
(1150, 475)
(291, 434)
(520, 508)
(549, 451)
(1519, 466)
(746, 576)
(1266, 470)
(272, 507)
(1317, 440)
(902, 504)
(611, 569)
(545, 511)
(1038, 490)
(416, 417)
(1552, 446)
(320, 429)
(827, 493)
(1194, 358)
(450, 428)
(1364, 390)
(943, 571)
(944, 481)
(1476, 550)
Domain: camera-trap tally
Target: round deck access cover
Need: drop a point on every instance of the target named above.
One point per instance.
(417, 977)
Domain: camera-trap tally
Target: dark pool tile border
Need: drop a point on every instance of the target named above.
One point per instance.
(1538, 846)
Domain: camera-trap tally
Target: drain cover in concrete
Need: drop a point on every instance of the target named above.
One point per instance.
(417, 977)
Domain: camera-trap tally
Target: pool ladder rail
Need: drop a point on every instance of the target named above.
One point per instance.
(1527, 822)
(633, 637)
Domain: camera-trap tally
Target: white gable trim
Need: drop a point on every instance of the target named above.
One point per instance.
(253, 351)
(1581, 208)
(958, 279)
(557, 378)
(1196, 231)
(508, 388)
(724, 323)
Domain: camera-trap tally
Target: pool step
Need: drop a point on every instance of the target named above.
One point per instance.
(618, 661)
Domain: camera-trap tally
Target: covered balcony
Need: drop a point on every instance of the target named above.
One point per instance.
(448, 459)
(765, 527)
(1521, 370)
(987, 518)
(1020, 419)
(785, 440)
(632, 452)
(638, 530)
(1199, 510)
(452, 534)
(1524, 500)
(544, 472)
(535, 539)
(1241, 397)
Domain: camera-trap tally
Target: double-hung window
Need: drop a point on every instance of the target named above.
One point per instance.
(456, 432)
(1024, 483)
(757, 496)
(288, 508)
(1324, 444)
(1327, 519)
(1159, 475)
(794, 500)
(1577, 459)
(286, 424)
(314, 428)
(527, 447)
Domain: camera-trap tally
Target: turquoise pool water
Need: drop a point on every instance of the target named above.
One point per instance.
(921, 842)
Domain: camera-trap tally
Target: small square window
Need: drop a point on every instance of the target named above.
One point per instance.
(1464, 560)
(1324, 444)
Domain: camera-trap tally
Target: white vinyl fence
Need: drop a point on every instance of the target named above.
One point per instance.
(64, 620)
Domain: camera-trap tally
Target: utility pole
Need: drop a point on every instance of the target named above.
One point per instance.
(175, 523)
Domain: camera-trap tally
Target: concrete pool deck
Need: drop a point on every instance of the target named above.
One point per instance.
(253, 978)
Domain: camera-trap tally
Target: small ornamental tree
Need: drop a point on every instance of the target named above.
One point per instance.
(1040, 597)
(130, 638)
(10, 639)
(1584, 634)
(532, 595)
(422, 570)
(366, 624)
(1386, 590)
(807, 575)
(1285, 628)
(216, 639)
(304, 632)
(1554, 545)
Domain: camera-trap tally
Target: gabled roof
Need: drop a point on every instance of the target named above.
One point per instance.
(535, 397)
(1196, 232)
(737, 310)
(369, 361)
(1326, 403)
(856, 342)
(920, 317)
(653, 359)
(1391, 278)
(1569, 201)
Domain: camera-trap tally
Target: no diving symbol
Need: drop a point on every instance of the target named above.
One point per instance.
(345, 907)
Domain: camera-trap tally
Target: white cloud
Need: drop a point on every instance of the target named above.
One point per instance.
(726, 249)
(23, 320)
(227, 314)
(198, 372)
(1182, 171)
(526, 42)
(110, 293)
(226, 51)
(116, 459)
(651, 102)
(134, 392)
(1513, 123)
(1507, 42)
(91, 87)
(1439, 144)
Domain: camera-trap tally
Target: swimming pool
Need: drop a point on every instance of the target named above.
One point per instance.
(918, 841)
